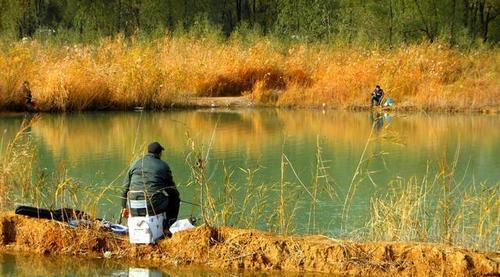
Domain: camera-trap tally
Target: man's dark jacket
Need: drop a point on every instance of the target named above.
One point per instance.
(378, 93)
(152, 175)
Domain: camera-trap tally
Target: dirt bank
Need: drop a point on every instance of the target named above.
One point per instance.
(230, 248)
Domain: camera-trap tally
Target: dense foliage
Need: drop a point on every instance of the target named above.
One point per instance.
(383, 22)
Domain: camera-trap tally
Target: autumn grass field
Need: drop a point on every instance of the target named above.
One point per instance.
(116, 74)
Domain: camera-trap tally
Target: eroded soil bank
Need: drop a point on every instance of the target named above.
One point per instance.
(230, 248)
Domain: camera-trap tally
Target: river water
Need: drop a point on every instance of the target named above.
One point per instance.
(96, 149)
(29, 265)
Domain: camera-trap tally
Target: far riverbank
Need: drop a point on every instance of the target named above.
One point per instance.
(116, 74)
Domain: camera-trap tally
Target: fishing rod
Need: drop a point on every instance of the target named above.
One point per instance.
(187, 202)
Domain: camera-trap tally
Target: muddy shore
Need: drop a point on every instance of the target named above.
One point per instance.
(245, 102)
(237, 249)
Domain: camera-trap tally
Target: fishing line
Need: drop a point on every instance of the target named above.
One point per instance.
(194, 204)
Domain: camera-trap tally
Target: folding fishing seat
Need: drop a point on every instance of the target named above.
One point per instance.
(143, 228)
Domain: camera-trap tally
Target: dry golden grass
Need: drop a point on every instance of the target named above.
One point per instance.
(118, 74)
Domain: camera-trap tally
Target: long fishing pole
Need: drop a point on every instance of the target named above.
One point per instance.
(187, 202)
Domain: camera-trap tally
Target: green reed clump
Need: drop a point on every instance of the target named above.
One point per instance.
(321, 182)
(256, 201)
(419, 210)
(23, 180)
(16, 165)
(438, 207)
(272, 206)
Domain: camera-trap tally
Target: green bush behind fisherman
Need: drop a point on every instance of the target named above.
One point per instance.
(153, 176)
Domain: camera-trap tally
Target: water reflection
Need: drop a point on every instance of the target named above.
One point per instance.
(82, 135)
(140, 272)
(378, 119)
(144, 272)
(32, 265)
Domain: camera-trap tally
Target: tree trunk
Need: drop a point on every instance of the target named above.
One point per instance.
(253, 12)
(426, 29)
(296, 10)
(185, 21)
(119, 16)
(452, 24)
(170, 19)
(245, 10)
(238, 11)
(38, 13)
(435, 24)
(405, 30)
(391, 21)
(227, 18)
(349, 37)
(466, 7)
(473, 23)
(481, 16)
(486, 22)
(136, 10)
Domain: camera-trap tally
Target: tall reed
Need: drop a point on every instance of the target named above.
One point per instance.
(120, 74)
(16, 165)
(23, 180)
(419, 210)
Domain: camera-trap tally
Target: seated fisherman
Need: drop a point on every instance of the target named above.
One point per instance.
(377, 96)
(25, 93)
(153, 176)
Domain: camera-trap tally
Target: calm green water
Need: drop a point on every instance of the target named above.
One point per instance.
(97, 148)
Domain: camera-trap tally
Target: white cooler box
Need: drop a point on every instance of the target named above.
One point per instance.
(145, 229)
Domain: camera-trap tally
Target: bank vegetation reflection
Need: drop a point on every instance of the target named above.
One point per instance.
(254, 131)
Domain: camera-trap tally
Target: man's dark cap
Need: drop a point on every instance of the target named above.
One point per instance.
(155, 148)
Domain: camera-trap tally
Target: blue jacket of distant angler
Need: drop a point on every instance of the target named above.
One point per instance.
(153, 176)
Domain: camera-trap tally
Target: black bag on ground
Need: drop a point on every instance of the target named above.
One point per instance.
(64, 214)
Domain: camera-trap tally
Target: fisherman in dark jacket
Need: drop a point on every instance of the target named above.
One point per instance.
(377, 96)
(25, 93)
(151, 175)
